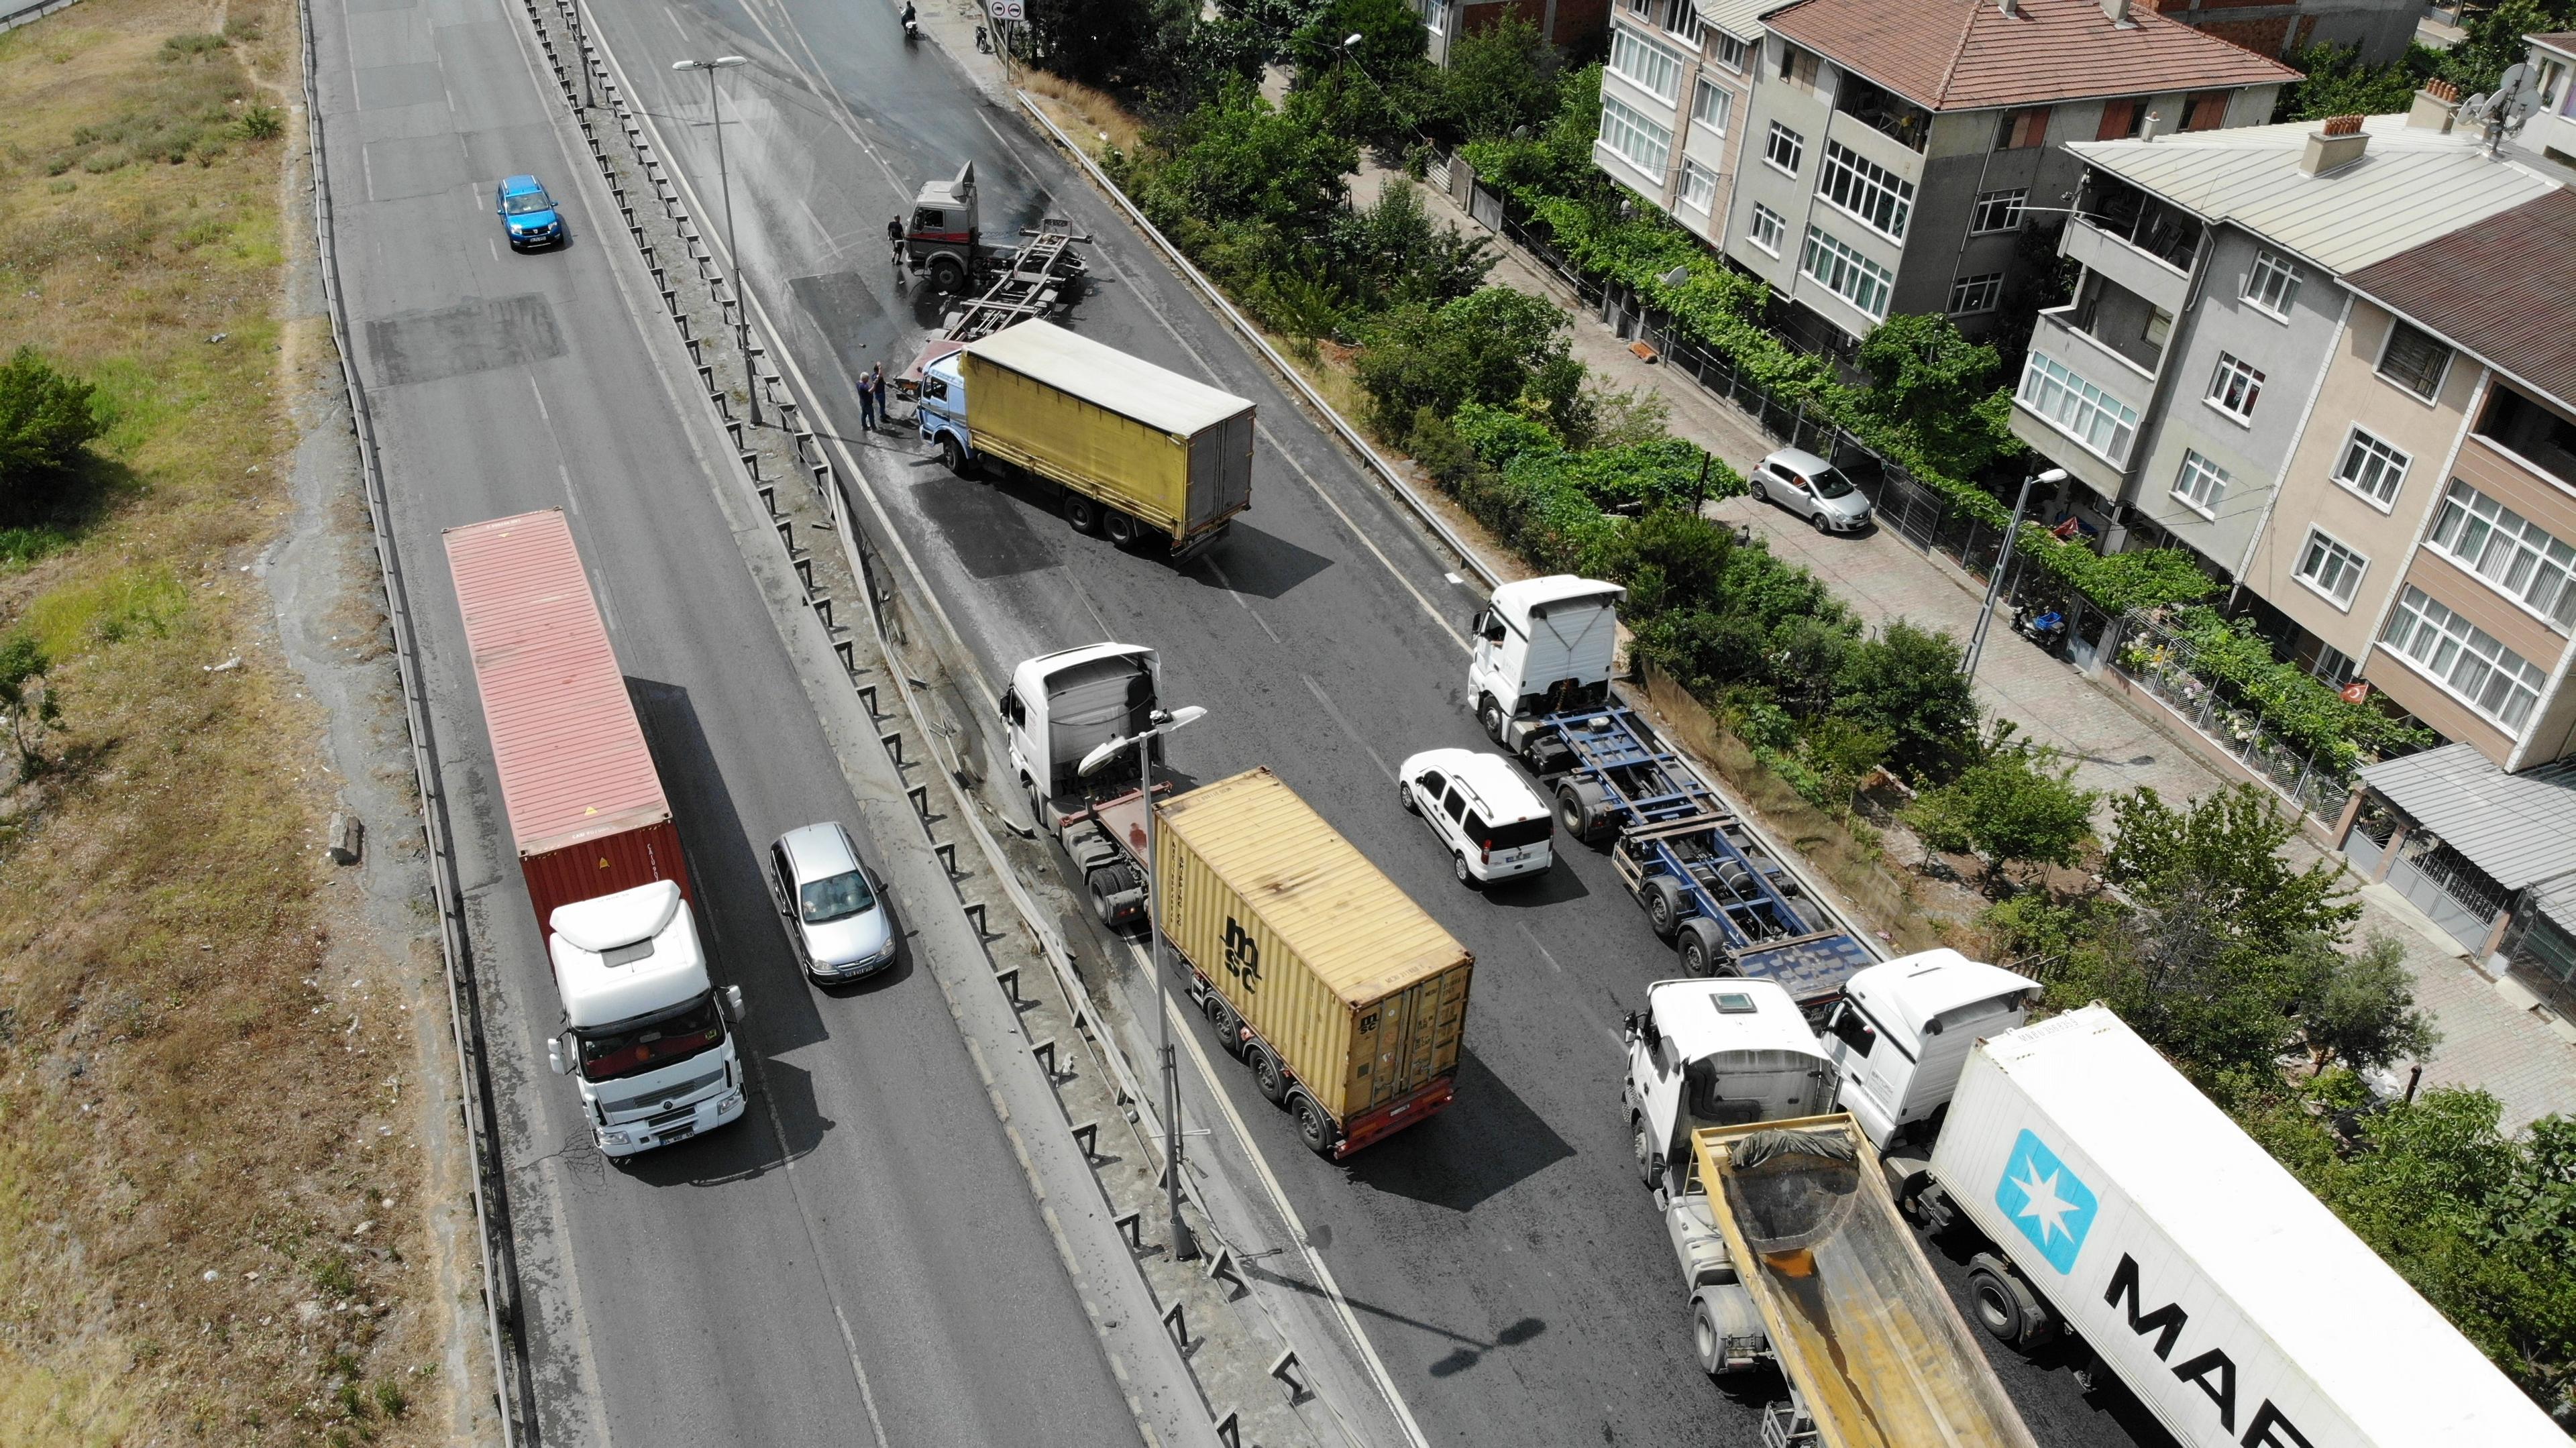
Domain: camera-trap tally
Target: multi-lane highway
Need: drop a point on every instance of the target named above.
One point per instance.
(860, 1261)
(1502, 1260)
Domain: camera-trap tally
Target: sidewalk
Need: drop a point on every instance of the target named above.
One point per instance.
(2490, 1035)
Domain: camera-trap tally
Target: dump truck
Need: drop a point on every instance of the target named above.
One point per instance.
(1539, 679)
(1126, 448)
(2109, 1199)
(644, 1030)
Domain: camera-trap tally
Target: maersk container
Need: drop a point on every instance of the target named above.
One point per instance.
(1164, 449)
(1339, 977)
(2231, 1301)
(586, 808)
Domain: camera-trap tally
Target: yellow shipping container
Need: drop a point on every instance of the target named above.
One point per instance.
(1362, 995)
(1169, 451)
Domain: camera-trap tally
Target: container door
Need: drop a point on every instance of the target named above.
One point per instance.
(1413, 1037)
(1220, 470)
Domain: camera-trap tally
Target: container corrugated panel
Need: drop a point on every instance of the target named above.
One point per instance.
(1078, 443)
(1363, 994)
(571, 757)
(604, 866)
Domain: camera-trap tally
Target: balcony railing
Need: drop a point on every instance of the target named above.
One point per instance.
(1884, 111)
(2116, 208)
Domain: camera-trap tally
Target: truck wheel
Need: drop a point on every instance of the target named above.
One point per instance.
(1663, 902)
(1225, 1026)
(953, 453)
(1081, 514)
(2006, 1305)
(1703, 953)
(1573, 811)
(946, 274)
(1313, 1127)
(1490, 714)
(1121, 528)
(1267, 1077)
(1105, 887)
(1650, 1162)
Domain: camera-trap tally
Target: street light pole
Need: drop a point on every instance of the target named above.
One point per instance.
(2003, 562)
(1185, 1246)
(733, 253)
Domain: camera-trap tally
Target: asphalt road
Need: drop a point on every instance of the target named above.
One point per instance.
(1505, 1263)
(866, 1232)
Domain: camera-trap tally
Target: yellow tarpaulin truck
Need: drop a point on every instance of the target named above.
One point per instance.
(1796, 1253)
(1136, 451)
(1345, 999)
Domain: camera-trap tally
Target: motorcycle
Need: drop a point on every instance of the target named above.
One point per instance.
(983, 42)
(911, 26)
(2048, 630)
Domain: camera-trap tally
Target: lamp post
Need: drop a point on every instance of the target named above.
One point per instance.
(733, 253)
(1185, 1247)
(1995, 584)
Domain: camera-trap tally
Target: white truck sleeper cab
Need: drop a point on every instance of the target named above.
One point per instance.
(646, 1034)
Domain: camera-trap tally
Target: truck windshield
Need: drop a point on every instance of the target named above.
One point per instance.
(837, 898)
(607, 1056)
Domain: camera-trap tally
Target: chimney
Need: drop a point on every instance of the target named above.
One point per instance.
(2435, 106)
(2118, 12)
(2339, 144)
(2009, 7)
(2147, 127)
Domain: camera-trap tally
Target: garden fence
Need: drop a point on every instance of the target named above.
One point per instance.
(2162, 662)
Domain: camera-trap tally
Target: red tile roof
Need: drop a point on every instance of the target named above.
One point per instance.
(2503, 288)
(1964, 55)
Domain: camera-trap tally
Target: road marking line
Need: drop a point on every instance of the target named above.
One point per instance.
(1437, 620)
(1336, 716)
(1242, 603)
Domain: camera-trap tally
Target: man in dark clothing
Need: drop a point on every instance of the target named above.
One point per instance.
(868, 398)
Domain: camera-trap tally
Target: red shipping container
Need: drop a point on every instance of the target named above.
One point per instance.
(586, 809)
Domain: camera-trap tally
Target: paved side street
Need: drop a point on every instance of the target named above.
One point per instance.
(2492, 1035)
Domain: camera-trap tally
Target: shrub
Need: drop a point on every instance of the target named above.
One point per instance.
(1906, 680)
(47, 422)
(261, 122)
(1495, 346)
(2017, 805)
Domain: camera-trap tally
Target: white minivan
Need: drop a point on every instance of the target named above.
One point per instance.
(1486, 816)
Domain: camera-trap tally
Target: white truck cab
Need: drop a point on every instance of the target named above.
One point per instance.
(1727, 1052)
(645, 1029)
(1542, 646)
(1061, 706)
(1902, 1032)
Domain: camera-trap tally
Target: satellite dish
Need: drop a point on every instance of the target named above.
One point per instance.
(1678, 276)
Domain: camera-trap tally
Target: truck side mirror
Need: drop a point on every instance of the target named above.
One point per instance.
(1010, 702)
(733, 1002)
(555, 1055)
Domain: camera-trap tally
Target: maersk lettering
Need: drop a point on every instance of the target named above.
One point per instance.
(2213, 1372)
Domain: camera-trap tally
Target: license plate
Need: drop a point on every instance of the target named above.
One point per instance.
(679, 1133)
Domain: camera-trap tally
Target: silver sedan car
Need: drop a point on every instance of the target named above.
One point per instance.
(836, 921)
(1812, 488)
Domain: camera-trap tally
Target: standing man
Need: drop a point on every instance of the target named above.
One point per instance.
(877, 384)
(868, 398)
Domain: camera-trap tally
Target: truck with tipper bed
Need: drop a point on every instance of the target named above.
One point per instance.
(1539, 679)
(645, 1029)
(1130, 450)
(1343, 997)
(1791, 1252)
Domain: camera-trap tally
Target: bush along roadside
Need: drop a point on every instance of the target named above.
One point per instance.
(2227, 654)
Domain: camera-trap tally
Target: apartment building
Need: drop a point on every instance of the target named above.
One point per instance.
(2379, 29)
(1569, 25)
(2552, 132)
(1675, 91)
(1890, 154)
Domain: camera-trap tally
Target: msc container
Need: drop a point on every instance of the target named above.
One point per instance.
(1165, 449)
(586, 809)
(1339, 978)
(2232, 1302)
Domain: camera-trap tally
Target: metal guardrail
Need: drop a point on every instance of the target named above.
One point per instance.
(28, 14)
(514, 1392)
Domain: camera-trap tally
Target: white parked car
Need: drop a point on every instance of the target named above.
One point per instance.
(1812, 488)
(1482, 811)
(836, 921)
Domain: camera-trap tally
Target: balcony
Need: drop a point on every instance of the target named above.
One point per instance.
(2079, 403)
(2114, 208)
(1884, 111)
(2113, 319)
(2114, 256)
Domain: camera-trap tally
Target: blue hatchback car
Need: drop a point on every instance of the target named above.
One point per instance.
(528, 213)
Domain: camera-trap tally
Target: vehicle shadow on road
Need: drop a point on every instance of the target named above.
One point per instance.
(782, 1105)
(744, 943)
(1485, 1142)
(1552, 886)
(1261, 564)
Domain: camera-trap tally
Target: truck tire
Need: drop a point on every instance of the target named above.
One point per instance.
(1718, 1314)
(946, 274)
(1081, 514)
(1702, 949)
(1490, 714)
(1583, 807)
(1313, 1127)
(1267, 1076)
(1223, 1025)
(1650, 1162)
(1123, 530)
(1664, 910)
(2011, 1312)
(953, 453)
(1105, 887)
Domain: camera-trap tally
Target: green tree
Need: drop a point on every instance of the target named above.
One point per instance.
(2015, 806)
(1843, 752)
(1927, 376)
(2494, 42)
(2338, 83)
(2225, 851)
(1498, 79)
(48, 419)
(32, 701)
(1242, 159)
(1668, 558)
(2359, 1012)
(1495, 346)
(1392, 253)
(1093, 41)
(1907, 682)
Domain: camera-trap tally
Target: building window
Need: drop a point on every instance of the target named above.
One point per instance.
(2503, 547)
(1785, 149)
(2204, 111)
(1867, 190)
(1730, 52)
(1797, 65)
(1643, 63)
(2077, 408)
(2272, 283)
(2330, 568)
(1641, 142)
(2335, 666)
(1969, 295)
(1768, 228)
(1681, 17)
(2540, 436)
(2022, 129)
(1998, 210)
(1712, 105)
(2121, 119)
(2234, 386)
(2201, 484)
(1846, 273)
(2414, 361)
(1699, 187)
(2371, 468)
(2466, 660)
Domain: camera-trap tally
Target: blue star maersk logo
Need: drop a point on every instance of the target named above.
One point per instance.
(2051, 1206)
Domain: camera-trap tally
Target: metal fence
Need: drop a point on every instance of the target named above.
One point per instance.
(2161, 662)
